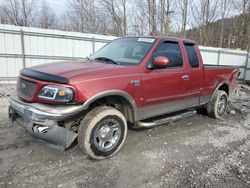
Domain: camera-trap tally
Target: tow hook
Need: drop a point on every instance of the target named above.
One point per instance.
(12, 115)
(40, 129)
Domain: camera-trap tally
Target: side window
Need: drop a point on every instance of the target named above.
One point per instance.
(172, 51)
(192, 55)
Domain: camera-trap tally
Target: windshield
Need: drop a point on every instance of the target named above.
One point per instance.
(130, 51)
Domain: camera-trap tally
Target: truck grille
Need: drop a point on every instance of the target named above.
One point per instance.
(26, 88)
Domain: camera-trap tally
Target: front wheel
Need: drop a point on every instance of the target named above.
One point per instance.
(102, 132)
(217, 107)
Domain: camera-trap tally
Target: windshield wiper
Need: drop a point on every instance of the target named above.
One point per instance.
(107, 59)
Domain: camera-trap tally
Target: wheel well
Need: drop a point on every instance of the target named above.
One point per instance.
(224, 87)
(118, 102)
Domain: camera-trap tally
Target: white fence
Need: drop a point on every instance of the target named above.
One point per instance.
(221, 56)
(24, 47)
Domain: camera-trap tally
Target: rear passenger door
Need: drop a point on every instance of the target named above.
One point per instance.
(195, 82)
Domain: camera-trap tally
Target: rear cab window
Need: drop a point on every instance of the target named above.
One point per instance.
(192, 55)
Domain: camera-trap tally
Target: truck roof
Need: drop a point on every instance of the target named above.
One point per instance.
(168, 38)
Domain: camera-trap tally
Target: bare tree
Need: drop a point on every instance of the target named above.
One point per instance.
(184, 15)
(224, 10)
(243, 8)
(142, 21)
(19, 12)
(165, 12)
(204, 12)
(151, 11)
(47, 18)
(124, 6)
(77, 15)
(64, 23)
(139, 21)
(82, 15)
(158, 14)
(2, 20)
(162, 15)
(152, 7)
(106, 17)
(148, 11)
(114, 12)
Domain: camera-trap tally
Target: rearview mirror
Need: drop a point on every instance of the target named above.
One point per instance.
(160, 62)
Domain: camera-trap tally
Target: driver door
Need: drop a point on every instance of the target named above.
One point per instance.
(165, 89)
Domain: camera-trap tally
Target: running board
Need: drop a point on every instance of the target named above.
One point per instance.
(168, 119)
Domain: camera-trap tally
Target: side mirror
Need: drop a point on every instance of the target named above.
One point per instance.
(160, 62)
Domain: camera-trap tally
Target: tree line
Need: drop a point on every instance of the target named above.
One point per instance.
(209, 22)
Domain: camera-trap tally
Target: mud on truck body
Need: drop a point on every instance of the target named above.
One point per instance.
(137, 82)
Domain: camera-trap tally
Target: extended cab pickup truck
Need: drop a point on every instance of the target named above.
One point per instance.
(140, 82)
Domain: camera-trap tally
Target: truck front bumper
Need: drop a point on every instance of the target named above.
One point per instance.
(41, 121)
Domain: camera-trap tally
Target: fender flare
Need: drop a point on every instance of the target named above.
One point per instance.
(217, 88)
(107, 93)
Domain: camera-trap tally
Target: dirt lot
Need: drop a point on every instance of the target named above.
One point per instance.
(194, 152)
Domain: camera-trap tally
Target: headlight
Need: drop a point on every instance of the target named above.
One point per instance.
(56, 93)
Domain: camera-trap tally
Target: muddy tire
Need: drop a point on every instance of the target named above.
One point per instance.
(102, 132)
(217, 107)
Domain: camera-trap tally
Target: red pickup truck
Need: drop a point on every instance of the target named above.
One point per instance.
(140, 82)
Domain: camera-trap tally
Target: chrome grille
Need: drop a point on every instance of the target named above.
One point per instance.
(26, 88)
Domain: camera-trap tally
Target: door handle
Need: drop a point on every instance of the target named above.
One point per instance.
(185, 77)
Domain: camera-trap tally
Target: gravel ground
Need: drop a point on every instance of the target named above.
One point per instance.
(193, 152)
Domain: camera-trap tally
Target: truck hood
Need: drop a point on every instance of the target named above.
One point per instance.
(72, 69)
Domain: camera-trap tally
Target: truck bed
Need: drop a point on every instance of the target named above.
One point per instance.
(219, 66)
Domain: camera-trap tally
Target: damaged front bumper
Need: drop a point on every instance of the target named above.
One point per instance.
(41, 121)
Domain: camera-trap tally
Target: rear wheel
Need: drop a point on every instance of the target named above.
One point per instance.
(217, 107)
(102, 132)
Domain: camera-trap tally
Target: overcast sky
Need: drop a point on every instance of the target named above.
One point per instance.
(59, 6)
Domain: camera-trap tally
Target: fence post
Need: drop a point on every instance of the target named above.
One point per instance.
(93, 44)
(245, 72)
(218, 58)
(22, 47)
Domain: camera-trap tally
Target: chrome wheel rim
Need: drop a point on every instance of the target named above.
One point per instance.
(222, 104)
(107, 134)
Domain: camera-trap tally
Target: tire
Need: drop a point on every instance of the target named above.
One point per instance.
(102, 132)
(215, 108)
